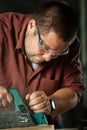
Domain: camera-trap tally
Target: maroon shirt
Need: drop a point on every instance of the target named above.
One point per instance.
(15, 71)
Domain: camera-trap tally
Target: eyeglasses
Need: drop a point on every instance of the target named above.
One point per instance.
(46, 48)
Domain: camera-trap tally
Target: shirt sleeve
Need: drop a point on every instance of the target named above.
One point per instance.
(72, 70)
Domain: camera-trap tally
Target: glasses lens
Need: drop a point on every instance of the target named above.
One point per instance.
(53, 53)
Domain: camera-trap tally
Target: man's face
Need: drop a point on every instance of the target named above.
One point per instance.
(52, 47)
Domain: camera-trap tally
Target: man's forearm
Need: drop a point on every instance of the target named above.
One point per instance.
(65, 99)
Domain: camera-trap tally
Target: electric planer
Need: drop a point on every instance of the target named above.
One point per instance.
(19, 115)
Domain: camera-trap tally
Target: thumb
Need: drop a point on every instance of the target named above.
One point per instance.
(27, 97)
(9, 97)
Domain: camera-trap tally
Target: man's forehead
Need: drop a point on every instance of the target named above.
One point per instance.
(54, 41)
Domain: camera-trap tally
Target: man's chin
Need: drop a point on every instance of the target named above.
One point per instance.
(37, 61)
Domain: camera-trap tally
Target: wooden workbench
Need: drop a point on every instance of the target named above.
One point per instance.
(44, 127)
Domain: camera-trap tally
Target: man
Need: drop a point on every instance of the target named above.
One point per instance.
(39, 55)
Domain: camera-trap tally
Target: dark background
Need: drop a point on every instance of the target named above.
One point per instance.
(26, 6)
(72, 117)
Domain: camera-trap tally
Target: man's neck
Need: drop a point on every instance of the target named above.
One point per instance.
(34, 65)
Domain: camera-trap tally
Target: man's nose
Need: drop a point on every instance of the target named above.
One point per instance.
(48, 57)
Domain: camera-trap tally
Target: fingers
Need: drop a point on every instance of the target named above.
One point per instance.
(9, 97)
(37, 98)
(44, 107)
(5, 97)
(27, 97)
(3, 100)
(39, 102)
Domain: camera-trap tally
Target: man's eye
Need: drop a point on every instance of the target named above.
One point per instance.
(45, 47)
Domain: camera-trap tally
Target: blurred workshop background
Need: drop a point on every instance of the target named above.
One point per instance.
(72, 117)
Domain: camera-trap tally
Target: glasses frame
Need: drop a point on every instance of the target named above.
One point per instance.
(52, 52)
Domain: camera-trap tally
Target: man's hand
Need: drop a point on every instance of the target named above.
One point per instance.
(38, 102)
(5, 97)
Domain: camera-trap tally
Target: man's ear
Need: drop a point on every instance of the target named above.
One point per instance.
(31, 26)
